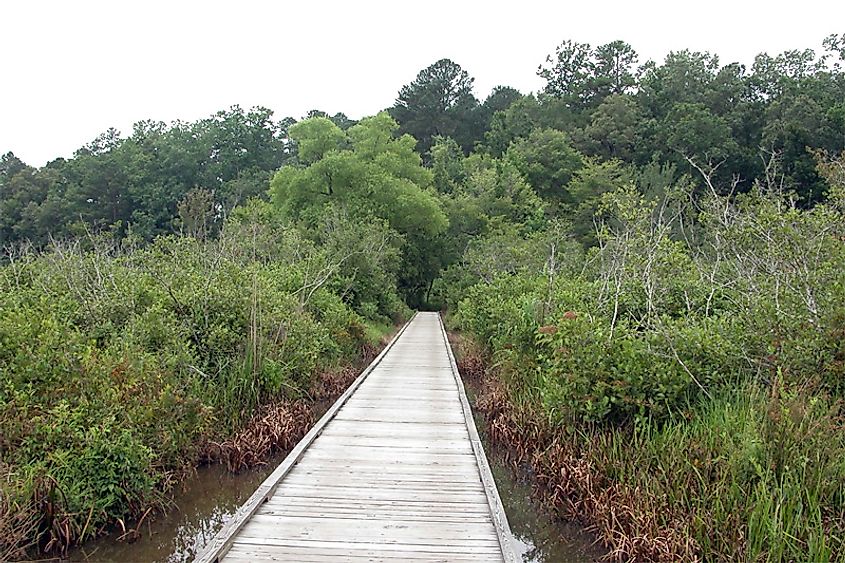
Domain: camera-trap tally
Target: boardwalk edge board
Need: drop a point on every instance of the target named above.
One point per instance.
(222, 541)
(497, 510)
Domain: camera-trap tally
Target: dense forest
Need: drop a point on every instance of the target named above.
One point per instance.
(645, 264)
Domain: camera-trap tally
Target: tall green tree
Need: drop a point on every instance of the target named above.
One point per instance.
(615, 130)
(614, 69)
(569, 70)
(439, 101)
(584, 76)
(367, 172)
(547, 159)
(684, 77)
(525, 115)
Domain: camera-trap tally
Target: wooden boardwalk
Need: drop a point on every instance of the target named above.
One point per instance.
(394, 471)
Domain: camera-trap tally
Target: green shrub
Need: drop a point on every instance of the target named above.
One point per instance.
(116, 369)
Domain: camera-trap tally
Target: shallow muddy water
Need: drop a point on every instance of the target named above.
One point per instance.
(206, 501)
(212, 496)
(538, 537)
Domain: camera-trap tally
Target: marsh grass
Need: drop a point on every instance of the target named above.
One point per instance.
(714, 439)
(752, 475)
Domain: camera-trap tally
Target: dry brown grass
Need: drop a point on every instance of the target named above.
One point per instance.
(370, 351)
(470, 359)
(18, 524)
(573, 482)
(278, 427)
(331, 385)
(275, 428)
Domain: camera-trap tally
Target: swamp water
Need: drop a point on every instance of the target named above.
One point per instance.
(207, 500)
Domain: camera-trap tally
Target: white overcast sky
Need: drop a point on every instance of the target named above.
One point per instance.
(71, 69)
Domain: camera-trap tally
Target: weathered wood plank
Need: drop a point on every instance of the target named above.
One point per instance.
(471, 546)
(359, 515)
(499, 517)
(342, 470)
(396, 473)
(382, 481)
(390, 531)
(366, 505)
(224, 538)
(311, 553)
(349, 493)
(374, 547)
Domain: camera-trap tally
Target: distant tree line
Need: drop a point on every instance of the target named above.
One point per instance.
(611, 107)
(602, 119)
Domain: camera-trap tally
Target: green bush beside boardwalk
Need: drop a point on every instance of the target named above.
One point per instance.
(117, 366)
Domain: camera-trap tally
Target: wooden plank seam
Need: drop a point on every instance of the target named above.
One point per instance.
(224, 538)
(497, 511)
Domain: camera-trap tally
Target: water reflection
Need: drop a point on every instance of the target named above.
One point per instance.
(538, 538)
(207, 501)
(210, 498)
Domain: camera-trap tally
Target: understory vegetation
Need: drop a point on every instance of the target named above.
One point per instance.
(680, 386)
(124, 367)
(648, 259)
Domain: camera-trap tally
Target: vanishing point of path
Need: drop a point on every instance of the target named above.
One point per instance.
(394, 471)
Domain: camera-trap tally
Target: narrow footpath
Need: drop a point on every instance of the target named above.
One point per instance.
(394, 471)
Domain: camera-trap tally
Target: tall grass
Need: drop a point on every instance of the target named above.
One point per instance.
(747, 475)
(755, 477)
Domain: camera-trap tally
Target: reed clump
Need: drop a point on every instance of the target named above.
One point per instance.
(747, 476)
(276, 428)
